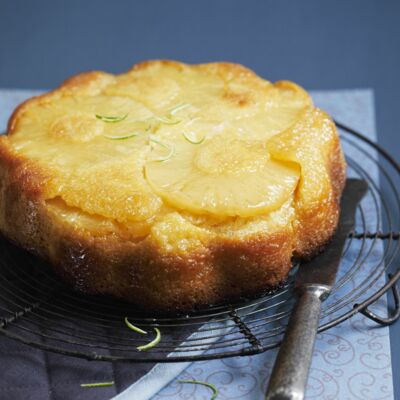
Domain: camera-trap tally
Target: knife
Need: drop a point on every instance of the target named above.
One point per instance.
(313, 284)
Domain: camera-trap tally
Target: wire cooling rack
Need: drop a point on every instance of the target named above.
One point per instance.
(39, 310)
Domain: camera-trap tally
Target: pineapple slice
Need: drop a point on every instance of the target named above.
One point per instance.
(314, 130)
(86, 168)
(115, 189)
(224, 168)
(283, 105)
(225, 176)
(156, 86)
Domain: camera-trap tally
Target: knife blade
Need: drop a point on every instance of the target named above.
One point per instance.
(322, 270)
(313, 284)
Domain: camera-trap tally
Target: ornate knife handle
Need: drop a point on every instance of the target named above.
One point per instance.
(289, 376)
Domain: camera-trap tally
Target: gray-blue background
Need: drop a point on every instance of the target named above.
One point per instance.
(318, 44)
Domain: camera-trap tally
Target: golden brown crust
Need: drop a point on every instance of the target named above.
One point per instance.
(318, 223)
(19, 172)
(140, 271)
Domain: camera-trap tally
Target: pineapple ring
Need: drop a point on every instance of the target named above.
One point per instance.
(225, 176)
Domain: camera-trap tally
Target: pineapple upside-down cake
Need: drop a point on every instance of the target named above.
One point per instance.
(171, 186)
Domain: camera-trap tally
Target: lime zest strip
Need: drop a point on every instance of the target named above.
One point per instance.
(98, 384)
(133, 327)
(122, 137)
(153, 343)
(177, 108)
(167, 121)
(185, 135)
(109, 118)
(209, 385)
(171, 149)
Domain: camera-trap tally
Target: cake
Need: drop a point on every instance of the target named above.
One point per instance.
(171, 186)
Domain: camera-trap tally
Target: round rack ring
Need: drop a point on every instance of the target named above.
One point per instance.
(39, 310)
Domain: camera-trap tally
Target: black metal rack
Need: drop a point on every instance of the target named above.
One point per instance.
(39, 310)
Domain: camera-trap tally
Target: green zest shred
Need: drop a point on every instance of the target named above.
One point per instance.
(171, 149)
(149, 345)
(106, 118)
(167, 121)
(193, 141)
(133, 327)
(123, 137)
(209, 385)
(152, 343)
(98, 384)
(177, 108)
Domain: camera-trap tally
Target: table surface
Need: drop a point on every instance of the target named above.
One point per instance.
(320, 45)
